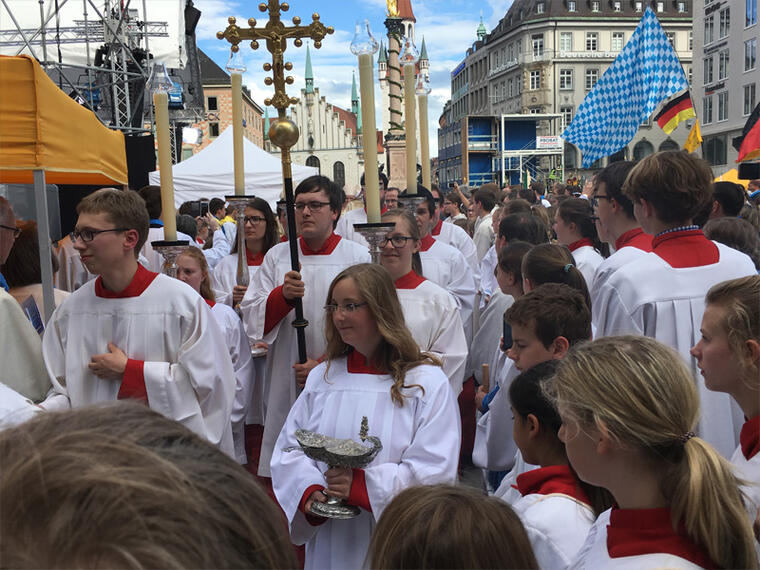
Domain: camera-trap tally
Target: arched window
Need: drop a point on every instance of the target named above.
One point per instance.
(571, 157)
(669, 144)
(622, 154)
(339, 174)
(313, 161)
(642, 150)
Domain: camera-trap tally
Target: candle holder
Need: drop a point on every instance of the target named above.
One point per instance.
(170, 250)
(410, 202)
(242, 277)
(374, 233)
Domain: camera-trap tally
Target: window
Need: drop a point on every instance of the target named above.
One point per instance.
(592, 76)
(566, 41)
(709, 29)
(642, 149)
(671, 38)
(510, 91)
(212, 104)
(213, 130)
(339, 174)
(750, 16)
(723, 106)
(594, 6)
(538, 45)
(571, 6)
(617, 6)
(660, 6)
(565, 79)
(724, 22)
(567, 115)
(749, 98)
(540, 8)
(681, 7)
(691, 40)
(638, 6)
(707, 72)
(535, 80)
(592, 41)
(707, 110)
(723, 64)
(714, 150)
(750, 54)
(535, 110)
(689, 74)
(571, 157)
(617, 41)
(312, 161)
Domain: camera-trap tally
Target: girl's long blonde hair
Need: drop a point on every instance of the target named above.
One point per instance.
(398, 352)
(645, 398)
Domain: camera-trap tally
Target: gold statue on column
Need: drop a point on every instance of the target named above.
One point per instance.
(392, 8)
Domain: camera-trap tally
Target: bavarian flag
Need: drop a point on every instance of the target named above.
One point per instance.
(676, 110)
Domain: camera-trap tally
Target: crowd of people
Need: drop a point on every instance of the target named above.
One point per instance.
(595, 355)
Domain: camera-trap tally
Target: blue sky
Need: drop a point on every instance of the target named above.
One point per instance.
(449, 28)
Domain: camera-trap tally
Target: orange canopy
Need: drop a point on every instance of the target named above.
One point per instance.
(41, 128)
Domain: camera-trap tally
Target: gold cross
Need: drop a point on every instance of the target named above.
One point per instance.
(276, 35)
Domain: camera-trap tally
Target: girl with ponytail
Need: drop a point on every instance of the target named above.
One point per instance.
(629, 408)
(373, 368)
(575, 227)
(551, 263)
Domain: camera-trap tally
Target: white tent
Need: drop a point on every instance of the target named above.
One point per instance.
(210, 173)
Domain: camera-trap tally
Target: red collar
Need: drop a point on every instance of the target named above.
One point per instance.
(209, 302)
(580, 243)
(634, 238)
(632, 532)
(199, 240)
(427, 242)
(283, 238)
(327, 248)
(140, 281)
(254, 259)
(357, 364)
(687, 248)
(437, 229)
(550, 480)
(749, 438)
(409, 281)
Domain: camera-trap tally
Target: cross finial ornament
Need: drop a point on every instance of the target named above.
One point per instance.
(276, 34)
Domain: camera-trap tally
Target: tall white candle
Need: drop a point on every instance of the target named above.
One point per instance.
(422, 103)
(410, 125)
(237, 132)
(369, 140)
(161, 105)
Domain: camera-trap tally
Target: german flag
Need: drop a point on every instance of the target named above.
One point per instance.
(750, 139)
(675, 111)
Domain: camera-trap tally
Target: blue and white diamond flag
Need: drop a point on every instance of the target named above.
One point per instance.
(645, 73)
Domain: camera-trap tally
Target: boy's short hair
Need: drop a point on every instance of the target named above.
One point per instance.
(334, 192)
(511, 255)
(124, 209)
(524, 227)
(486, 198)
(614, 177)
(730, 196)
(215, 204)
(552, 310)
(677, 185)
(152, 197)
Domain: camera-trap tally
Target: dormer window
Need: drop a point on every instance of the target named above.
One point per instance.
(660, 6)
(540, 8)
(595, 6)
(617, 6)
(681, 7)
(571, 5)
(638, 6)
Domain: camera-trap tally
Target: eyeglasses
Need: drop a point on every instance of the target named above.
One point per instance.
(595, 199)
(253, 220)
(89, 235)
(16, 231)
(396, 241)
(347, 308)
(313, 206)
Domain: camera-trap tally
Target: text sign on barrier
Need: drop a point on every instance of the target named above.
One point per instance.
(548, 142)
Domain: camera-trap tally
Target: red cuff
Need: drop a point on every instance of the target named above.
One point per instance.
(133, 382)
(358, 496)
(277, 307)
(313, 520)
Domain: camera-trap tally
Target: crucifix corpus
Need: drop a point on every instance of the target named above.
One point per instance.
(284, 132)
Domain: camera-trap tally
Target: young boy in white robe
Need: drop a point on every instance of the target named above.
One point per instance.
(132, 333)
(661, 294)
(629, 407)
(267, 306)
(373, 370)
(728, 356)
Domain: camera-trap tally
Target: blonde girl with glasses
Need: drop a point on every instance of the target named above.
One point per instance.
(373, 368)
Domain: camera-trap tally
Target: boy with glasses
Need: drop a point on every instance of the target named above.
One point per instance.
(132, 333)
(268, 304)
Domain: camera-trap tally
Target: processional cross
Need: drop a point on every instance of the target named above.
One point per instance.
(284, 132)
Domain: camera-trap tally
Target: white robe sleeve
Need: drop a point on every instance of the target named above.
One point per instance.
(254, 304)
(55, 362)
(223, 279)
(220, 249)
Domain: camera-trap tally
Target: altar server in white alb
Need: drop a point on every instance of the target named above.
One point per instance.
(192, 268)
(661, 294)
(345, 226)
(430, 312)
(454, 236)
(574, 225)
(445, 265)
(629, 408)
(728, 355)
(261, 235)
(373, 369)
(268, 304)
(152, 197)
(132, 333)
(555, 506)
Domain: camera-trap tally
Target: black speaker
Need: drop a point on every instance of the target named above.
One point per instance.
(749, 170)
(192, 15)
(141, 159)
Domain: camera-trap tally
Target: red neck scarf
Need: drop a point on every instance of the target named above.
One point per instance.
(140, 281)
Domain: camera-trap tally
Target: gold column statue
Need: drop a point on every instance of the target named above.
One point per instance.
(284, 132)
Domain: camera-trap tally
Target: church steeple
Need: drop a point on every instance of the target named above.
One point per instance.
(354, 95)
(309, 74)
(482, 31)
